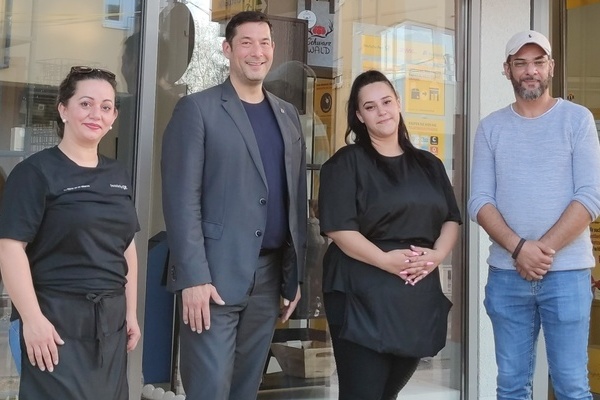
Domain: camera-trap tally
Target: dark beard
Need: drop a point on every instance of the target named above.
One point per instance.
(529, 94)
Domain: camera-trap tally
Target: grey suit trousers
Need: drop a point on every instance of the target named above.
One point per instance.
(210, 366)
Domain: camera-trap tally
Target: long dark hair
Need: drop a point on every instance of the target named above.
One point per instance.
(359, 130)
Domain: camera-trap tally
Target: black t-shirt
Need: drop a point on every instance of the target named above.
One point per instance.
(77, 221)
(356, 194)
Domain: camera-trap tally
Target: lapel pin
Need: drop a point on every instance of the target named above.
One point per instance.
(282, 111)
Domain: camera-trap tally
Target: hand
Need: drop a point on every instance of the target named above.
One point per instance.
(289, 306)
(196, 306)
(41, 340)
(133, 333)
(421, 264)
(396, 261)
(534, 260)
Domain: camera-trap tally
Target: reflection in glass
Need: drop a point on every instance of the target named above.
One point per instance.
(46, 43)
(419, 55)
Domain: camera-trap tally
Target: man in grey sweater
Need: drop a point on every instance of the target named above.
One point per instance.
(535, 190)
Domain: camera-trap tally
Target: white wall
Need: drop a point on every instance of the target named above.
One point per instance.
(499, 21)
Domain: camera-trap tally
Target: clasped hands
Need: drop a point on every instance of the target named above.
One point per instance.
(413, 264)
(534, 260)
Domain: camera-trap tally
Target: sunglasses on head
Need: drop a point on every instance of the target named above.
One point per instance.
(82, 69)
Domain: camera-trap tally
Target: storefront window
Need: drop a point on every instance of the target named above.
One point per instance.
(321, 45)
(39, 42)
(582, 72)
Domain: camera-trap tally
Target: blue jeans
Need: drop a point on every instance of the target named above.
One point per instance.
(560, 303)
(14, 342)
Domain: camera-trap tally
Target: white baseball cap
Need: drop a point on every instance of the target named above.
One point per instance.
(522, 38)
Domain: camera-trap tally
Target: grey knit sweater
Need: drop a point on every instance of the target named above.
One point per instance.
(530, 169)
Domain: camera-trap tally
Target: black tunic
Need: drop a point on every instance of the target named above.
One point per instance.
(357, 195)
(77, 222)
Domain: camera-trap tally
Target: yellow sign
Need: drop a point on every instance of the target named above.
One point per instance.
(225, 9)
(371, 53)
(425, 126)
(324, 104)
(424, 90)
(371, 64)
(371, 46)
(580, 3)
(427, 135)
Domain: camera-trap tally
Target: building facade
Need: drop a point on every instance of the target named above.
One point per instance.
(444, 57)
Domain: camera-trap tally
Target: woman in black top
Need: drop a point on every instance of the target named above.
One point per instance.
(67, 253)
(391, 213)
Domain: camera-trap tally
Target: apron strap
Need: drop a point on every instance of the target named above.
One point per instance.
(100, 317)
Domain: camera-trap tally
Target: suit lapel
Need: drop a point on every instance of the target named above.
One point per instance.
(283, 120)
(233, 106)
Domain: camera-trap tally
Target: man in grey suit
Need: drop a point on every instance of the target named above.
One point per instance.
(234, 202)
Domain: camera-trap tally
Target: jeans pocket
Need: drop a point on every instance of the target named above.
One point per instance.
(502, 289)
(573, 299)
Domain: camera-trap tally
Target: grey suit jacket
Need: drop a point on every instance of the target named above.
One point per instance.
(215, 190)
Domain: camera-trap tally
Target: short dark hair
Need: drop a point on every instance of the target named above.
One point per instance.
(68, 86)
(243, 17)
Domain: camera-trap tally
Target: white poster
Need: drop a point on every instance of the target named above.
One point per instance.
(321, 32)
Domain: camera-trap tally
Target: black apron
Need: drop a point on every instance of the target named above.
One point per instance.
(388, 316)
(93, 361)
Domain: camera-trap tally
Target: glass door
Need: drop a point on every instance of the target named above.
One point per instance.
(418, 44)
(582, 86)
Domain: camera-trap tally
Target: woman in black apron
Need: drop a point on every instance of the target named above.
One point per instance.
(391, 213)
(67, 254)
